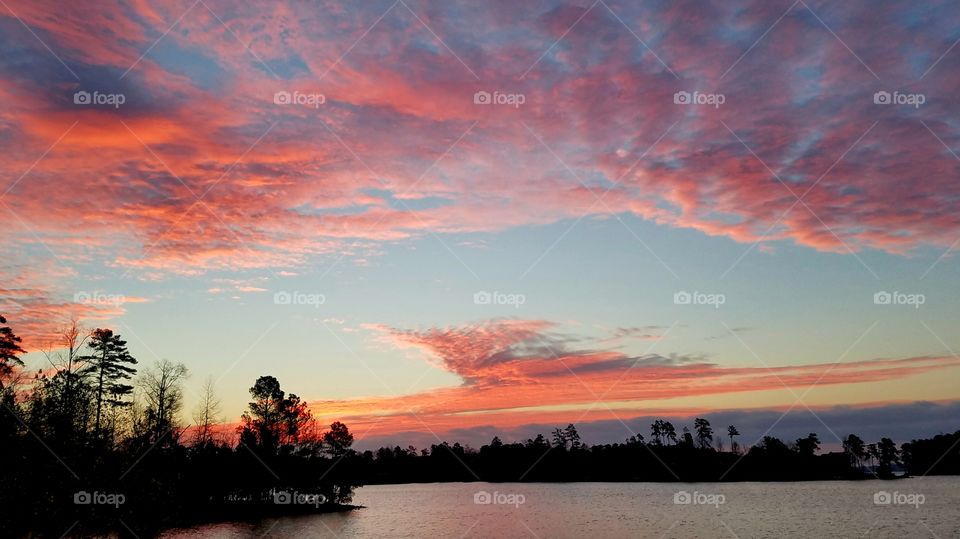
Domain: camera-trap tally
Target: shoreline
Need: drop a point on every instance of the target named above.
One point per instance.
(601, 481)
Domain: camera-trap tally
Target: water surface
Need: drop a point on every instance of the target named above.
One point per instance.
(921, 507)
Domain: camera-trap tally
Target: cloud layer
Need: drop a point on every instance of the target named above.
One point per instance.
(199, 169)
(521, 372)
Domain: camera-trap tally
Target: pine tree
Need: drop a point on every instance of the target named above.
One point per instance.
(732, 432)
(108, 364)
(572, 436)
(704, 432)
(9, 350)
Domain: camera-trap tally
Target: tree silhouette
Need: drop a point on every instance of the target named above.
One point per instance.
(295, 415)
(9, 359)
(732, 432)
(64, 408)
(669, 432)
(538, 441)
(808, 445)
(206, 414)
(873, 455)
(273, 421)
(571, 435)
(263, 419)
(9, 351)
(854, 449)
(888, 456)
(107, 363)
(338, 439)
(559, 439)
(161, 385)
(656, 431)
(59, 406)
(704, 432)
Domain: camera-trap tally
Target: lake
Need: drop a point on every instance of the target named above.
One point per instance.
(919, 507)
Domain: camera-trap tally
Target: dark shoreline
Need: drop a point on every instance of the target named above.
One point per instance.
(811, 480)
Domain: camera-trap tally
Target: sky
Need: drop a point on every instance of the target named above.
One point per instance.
(447, 220)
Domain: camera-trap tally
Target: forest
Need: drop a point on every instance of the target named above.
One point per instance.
(95, 442)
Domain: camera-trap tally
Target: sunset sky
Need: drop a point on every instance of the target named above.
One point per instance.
(331, 194)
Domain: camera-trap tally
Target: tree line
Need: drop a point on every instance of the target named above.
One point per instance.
(94, 442)
(667, 455)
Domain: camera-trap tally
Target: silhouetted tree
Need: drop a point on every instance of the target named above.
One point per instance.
(273, 421)
(933, 456)
(206, 414)
(263, 420)
(60, 407)
(9, 360)
(161, 386)
(704, 432)
(538, 441)
(9, 351)
(338, 439)
(808, 445)
(559, 439)
(873, 455)
(888, 456)
(572, 437)
(656, 431)
(774, 445)
(296, 415)
(732, 432)
(108, 365)
(669, 432)
(854, 449)
(67, 416)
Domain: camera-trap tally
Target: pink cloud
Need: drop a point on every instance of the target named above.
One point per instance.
(283, 185)
(518, 372)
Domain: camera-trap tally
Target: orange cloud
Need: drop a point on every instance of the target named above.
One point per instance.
(516, 372)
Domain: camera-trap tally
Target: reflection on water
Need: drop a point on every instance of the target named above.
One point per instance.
(922, 507)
